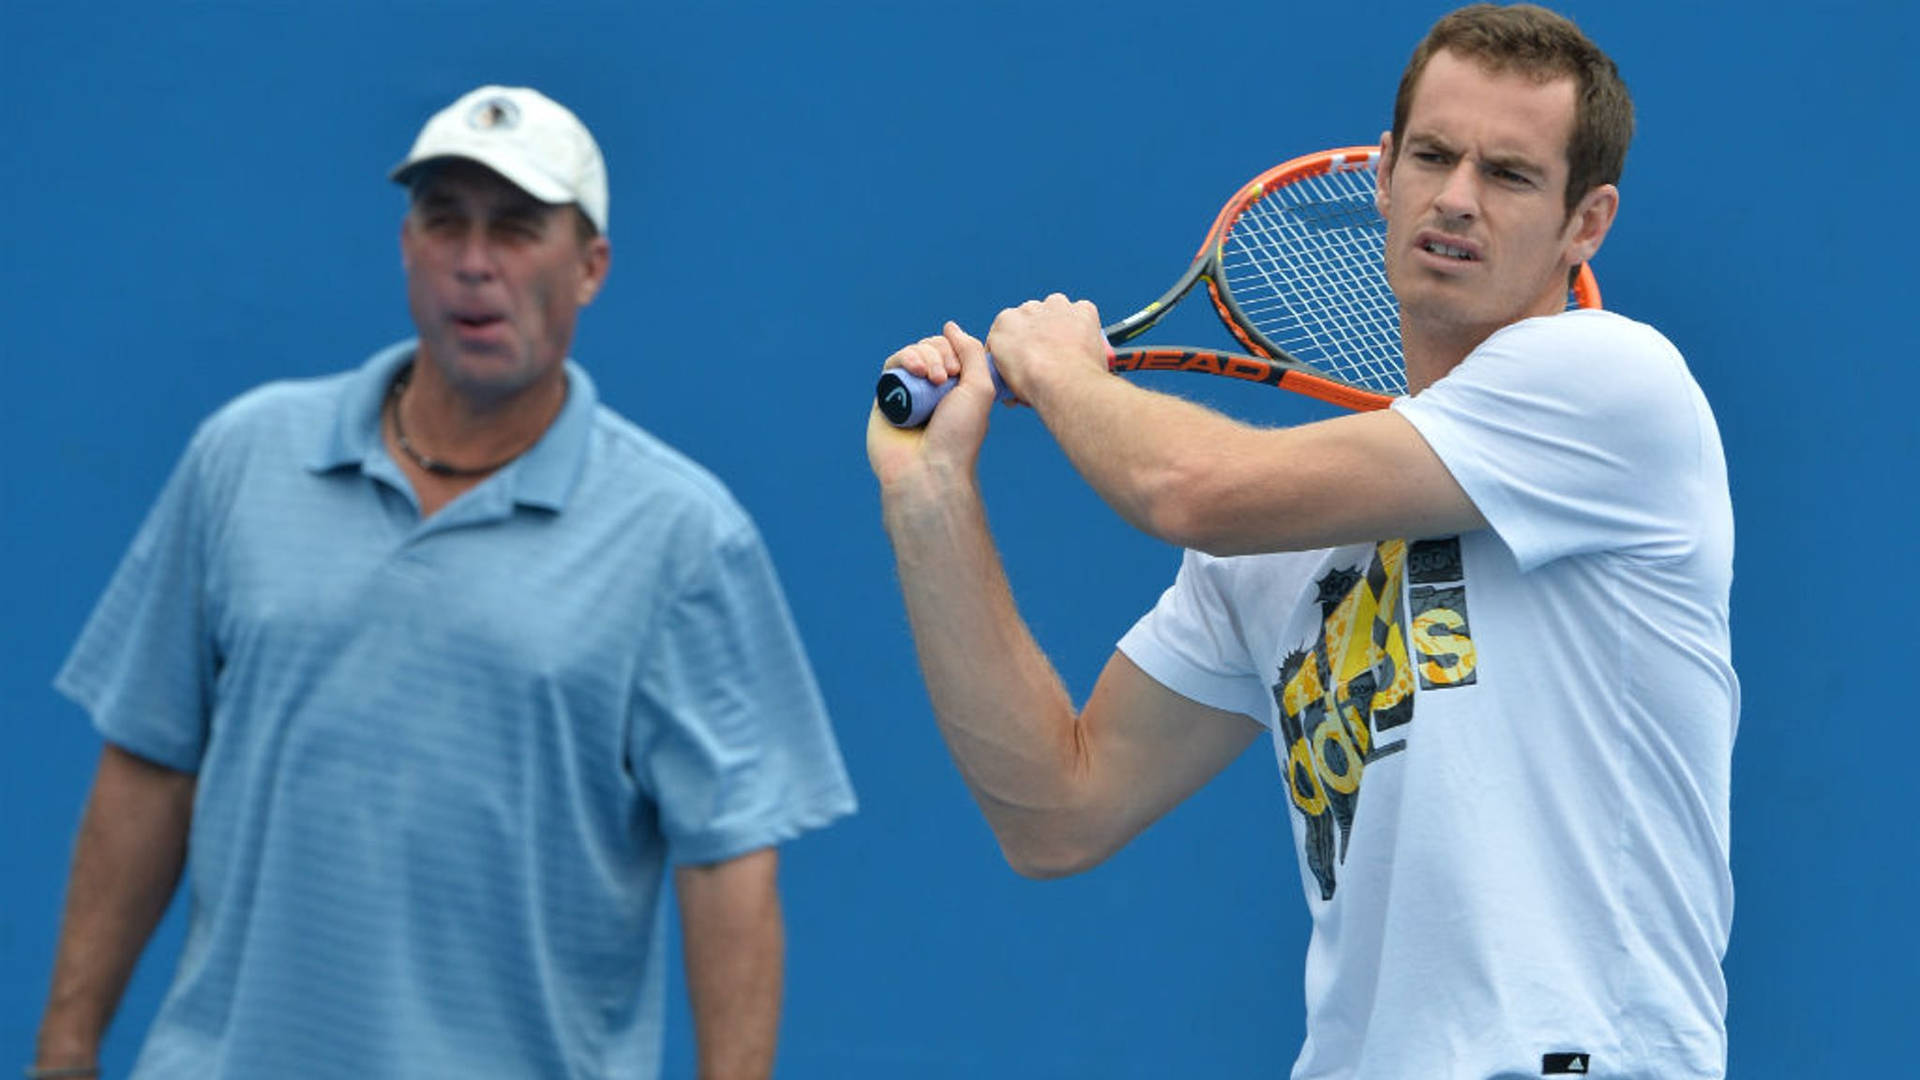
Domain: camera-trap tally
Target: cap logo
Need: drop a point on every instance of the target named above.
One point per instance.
(496, 113)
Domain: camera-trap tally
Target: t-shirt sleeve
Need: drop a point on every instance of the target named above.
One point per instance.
(735, 747)
(145, 663)
(1573, 434)
(1191, 643)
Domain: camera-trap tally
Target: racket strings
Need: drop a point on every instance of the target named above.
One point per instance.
(1305, 263)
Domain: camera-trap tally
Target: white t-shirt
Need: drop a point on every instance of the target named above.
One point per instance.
(1509, 751)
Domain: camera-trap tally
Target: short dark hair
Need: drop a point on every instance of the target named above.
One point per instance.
(1541, 45)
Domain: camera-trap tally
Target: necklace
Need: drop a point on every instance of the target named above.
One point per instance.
(431, 464)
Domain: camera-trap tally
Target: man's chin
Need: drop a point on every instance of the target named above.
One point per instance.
(486, 374)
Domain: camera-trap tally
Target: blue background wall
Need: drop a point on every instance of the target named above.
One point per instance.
(195, 204)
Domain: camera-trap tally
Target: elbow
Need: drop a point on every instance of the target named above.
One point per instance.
(1190, 509)
(1217, 509)
(1044, 859)
(1166, 507)
(1061, 820)
(1048, 866)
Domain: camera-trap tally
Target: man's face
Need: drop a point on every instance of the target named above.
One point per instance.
(1478, 234)
(495, 279)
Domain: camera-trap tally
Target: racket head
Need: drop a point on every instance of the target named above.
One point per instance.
(1295, 264)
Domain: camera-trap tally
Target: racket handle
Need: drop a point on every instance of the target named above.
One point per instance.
(907, 400)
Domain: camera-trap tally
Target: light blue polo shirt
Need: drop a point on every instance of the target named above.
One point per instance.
(443, 763)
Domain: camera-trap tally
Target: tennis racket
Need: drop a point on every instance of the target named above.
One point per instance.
(1295, 264)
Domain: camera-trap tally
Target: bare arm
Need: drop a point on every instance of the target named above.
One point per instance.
(126, 864)
(1061, 788)
(1196, 478)
(734, 942)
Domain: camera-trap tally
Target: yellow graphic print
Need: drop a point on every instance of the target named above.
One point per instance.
(1336, 698)
(1440, 637)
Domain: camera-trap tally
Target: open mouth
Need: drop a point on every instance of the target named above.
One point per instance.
(1447, 251)
(477, 322)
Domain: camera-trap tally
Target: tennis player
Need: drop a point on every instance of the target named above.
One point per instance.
(1486, 629)
(425, 673)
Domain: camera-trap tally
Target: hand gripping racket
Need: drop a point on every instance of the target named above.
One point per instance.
(1295, 264)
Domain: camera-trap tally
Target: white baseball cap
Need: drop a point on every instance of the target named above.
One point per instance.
(523, 135)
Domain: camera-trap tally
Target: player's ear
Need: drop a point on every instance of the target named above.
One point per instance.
(596, 257)
(1587, 225)
(1383, 175)
(406, 241)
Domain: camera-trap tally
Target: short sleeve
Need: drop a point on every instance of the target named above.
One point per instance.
(1191, 643)
(737, 751)
(144, 665)
(1573, 434)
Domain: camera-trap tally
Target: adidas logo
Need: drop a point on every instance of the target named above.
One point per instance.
(1574, 1064)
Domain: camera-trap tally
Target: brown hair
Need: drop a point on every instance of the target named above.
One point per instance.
(1543, 46)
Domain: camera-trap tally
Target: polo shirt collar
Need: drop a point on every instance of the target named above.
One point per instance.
(543, 477)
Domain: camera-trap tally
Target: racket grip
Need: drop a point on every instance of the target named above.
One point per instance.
(907, 400)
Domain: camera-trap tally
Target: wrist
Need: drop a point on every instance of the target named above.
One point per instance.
(51, 1070)
(923, 519)
(928, 485)
(62, 1050)
(1048, 384)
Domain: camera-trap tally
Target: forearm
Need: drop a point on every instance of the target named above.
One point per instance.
(1001, 707)
(1194, 477)
(126, 864)
(1167, 466)
(734, 942)
(1027, 755)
